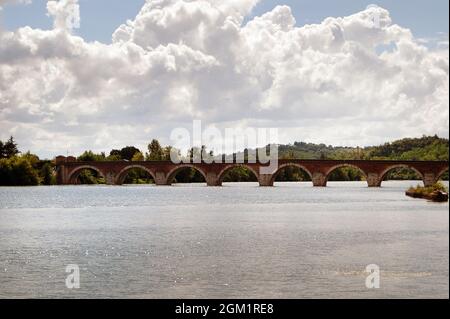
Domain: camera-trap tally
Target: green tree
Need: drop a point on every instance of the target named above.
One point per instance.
(32, 158)
(115, 153)
(89, 156)
(10, 148)
(47, 176)
(114, 158)
(137, 157)
(90, 177)
(189, 175)
(239, 174)
(17, 171)
(292, 174)
(155, 151)
(166, 153)
(128, 152)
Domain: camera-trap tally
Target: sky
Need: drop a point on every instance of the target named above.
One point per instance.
(427, 19)
(103, 74)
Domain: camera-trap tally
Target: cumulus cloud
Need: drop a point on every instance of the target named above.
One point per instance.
(343, 81)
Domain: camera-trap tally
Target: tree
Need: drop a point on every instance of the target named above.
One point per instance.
(128, 152)
(114, 158)
(155, 151)
(47, 176)
(90, 177)
(115, 154)
(89, 156)
(2, 153)
(32, 159)
(138, 157)
(10, 148)
(239, 174)
(17, 171)
(166, 153)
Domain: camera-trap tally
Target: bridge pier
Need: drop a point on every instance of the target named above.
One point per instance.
(110, 178)
(212, 179)
(374, 180)
(265, 180)
(319, 179)
(161, 179)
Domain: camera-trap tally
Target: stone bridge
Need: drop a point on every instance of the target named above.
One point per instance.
(163, 173)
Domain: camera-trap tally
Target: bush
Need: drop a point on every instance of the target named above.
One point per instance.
(46, 175)
(17, 171)
(421, 190)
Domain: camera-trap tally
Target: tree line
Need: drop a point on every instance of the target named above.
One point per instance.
(18, 169)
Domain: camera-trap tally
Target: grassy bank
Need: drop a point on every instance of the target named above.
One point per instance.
(438, 192)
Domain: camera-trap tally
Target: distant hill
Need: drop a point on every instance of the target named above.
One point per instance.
(423, 148)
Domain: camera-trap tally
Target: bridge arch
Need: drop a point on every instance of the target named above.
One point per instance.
(344, 165)
(392, 167)
(283, 166)
(73, 176)
(230, 167)
(174, 172)
(123, 173)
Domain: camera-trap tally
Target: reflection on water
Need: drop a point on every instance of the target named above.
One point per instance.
(240, 240)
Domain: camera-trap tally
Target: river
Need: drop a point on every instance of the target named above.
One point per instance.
(235, 241)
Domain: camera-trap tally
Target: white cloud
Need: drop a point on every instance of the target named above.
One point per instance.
(183, 60)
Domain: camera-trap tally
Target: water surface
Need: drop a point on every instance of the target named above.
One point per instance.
(236, 241)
